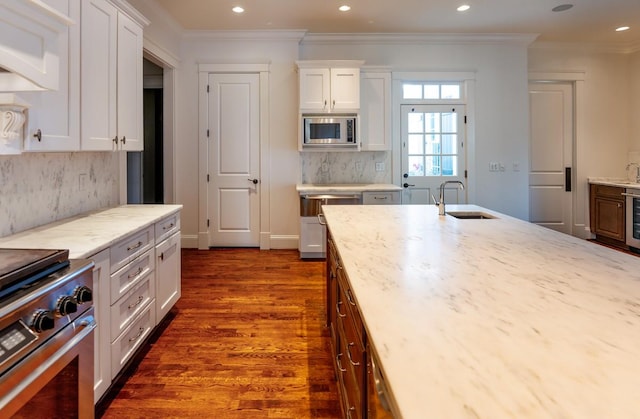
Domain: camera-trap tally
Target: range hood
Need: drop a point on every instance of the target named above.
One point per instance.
(29, 36)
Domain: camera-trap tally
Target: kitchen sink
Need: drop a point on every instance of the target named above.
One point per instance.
(471, 215)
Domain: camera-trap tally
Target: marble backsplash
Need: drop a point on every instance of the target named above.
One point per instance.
(345, 167)
(40, 188)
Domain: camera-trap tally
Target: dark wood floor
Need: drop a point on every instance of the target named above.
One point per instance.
(247, 340)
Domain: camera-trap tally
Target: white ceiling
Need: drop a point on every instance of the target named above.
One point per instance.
(589, 21)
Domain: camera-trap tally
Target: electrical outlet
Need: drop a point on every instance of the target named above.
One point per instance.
(358, 166)
(494, 166)
(82, 181)
(379, 166)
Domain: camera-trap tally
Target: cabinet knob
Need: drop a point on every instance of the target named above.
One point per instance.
(124, 140)
(38, 135)
(115, 140)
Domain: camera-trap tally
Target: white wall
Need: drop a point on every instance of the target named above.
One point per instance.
(635, 101)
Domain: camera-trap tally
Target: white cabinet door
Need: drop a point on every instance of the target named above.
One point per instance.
(111, 79)
(168, 278)
(314, 88)
(54, 116)
(129, 81)
(375, 111)
(329, 89)
(102, 343)
(345, 89)
(99, 25)
(313, 238)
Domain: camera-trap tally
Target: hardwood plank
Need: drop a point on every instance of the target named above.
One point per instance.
(247, 339)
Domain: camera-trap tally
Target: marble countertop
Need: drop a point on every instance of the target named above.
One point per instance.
(307, 188)
(89, 233)
(494, 318)
(619, 182)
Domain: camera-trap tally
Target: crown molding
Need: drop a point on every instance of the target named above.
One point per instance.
(628, 48)
(420, 38)
(237, 35)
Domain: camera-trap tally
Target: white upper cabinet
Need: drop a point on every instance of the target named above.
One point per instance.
(329, 86)
(54, 116)
(375, 111)
(111, 78)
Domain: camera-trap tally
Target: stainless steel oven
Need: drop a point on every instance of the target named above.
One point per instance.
(46, 335)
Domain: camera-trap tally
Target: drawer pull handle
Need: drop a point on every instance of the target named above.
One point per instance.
(138, 272)
(377, 197)
(355, 364)
(137, 303)
(136, 337)
(338, 304)
(135, 246)
(321, 220)
(168, 227)
(340, 363)
(350, 298)
(162, 256)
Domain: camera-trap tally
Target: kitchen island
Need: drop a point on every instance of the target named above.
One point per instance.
(492, 318)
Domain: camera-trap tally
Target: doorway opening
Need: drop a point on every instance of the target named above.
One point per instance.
(145, 169)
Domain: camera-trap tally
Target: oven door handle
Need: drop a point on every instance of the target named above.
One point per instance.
(632, 195)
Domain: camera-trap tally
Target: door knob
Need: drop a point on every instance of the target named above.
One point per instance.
(406, 185)
(255, 181)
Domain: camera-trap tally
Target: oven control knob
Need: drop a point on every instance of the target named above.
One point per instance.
(83, 294)
(66, 305)
(42, 320)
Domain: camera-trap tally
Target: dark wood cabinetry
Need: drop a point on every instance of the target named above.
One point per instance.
(607, 213)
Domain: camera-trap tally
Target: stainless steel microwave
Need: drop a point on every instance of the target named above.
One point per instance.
(329, 130)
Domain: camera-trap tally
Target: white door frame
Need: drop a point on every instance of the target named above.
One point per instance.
(203, 148)
(579, 194)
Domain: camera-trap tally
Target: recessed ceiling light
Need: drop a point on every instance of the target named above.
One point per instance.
(344, 8)
(238, 9)
(463, 8)
(562, 7)
(622, 29)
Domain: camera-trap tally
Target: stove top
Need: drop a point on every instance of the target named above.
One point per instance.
(22, 267)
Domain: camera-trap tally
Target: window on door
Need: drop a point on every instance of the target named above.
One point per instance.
(432, 143)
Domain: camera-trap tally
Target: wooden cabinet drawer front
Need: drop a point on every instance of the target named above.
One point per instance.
(167, 226)
(127, 277)
(130, 305)
(351, 372)
(381, 198)
(126, 250)
(609, 191)
(350, 307)
(130, 340)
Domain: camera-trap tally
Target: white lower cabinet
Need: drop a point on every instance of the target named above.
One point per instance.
(136, 282)
(313, 237)
(102, 342)
(168, 283)
(123, 348)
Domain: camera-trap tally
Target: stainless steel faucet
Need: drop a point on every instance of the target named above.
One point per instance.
(637, 166)
(440, 203)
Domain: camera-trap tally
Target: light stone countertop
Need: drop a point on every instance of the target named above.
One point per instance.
(493, 318)
(619, 182)
(308, 188)
(89, 233)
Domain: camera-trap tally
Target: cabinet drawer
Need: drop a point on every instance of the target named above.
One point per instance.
(381, 198)
(349, 305)
(127, 277)
(609, 191)
(130, 340)
(167, 226)
(126, 250)
(130, 305)
(351, 372)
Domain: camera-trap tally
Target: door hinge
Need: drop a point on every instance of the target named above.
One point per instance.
(465, 119)
(207, 222)
(465, 174)
(207, 88)
(207, 177)
(207, 133)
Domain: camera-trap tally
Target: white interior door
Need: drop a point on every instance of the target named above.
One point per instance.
(551, 136)
(432, 152)
(234, 187)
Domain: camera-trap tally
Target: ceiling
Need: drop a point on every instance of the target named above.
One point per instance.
(588, 21)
